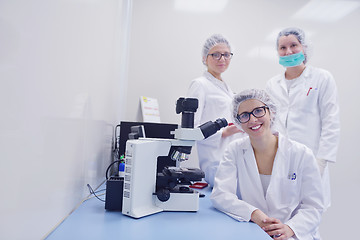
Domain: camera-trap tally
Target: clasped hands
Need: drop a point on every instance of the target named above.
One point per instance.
(272, 226)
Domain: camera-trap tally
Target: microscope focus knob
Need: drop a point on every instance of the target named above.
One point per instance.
(163, 194)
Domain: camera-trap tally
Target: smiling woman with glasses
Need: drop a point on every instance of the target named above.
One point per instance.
(215, 97)
(267, 178)
(256, 112)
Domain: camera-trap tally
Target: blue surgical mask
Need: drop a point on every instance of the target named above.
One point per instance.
(292, 60)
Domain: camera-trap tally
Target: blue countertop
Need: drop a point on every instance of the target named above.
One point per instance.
(91, 221)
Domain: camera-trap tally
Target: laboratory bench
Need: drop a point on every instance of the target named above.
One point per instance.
(91, 221)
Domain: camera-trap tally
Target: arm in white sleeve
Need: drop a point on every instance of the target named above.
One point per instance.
(322, 163)
(308, 214)
(196, 90)
(210, 152)
(330, 122)
(224, 196)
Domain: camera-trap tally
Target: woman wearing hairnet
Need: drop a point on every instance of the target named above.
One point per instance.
(267, 178)
(307, 102)
(215, 98)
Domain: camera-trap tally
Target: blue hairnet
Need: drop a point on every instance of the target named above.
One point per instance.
(257, 94)
(299, 34)
(212, 42)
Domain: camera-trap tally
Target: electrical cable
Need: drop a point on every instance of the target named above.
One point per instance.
(94, 193)
(116, 156)
(116, 137)
(107, 170)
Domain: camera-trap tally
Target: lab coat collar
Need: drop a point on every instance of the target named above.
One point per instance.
(249, 154)
(307, 72)
(248, 150)
(281, 140)
(220, 84)
(211, 77)
(246, 144)
(279, 153)
(251, 162)
(300, 80)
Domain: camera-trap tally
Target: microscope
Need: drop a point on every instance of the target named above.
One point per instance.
(147, 190)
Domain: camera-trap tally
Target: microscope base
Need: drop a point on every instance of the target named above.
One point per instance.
(184, 202)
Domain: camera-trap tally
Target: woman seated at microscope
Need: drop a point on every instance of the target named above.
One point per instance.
(267, 178)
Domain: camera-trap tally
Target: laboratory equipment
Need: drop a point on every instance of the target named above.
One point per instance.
(147, 190)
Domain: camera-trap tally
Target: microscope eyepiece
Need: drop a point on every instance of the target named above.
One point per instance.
(187, 107)
(221, 122)
(210, 128)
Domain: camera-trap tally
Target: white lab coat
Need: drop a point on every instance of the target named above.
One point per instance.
(215, 99)
(309, 114)
(299, 203)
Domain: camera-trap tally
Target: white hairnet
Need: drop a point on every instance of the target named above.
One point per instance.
(257, 94)
(299, 34)
(212, 42)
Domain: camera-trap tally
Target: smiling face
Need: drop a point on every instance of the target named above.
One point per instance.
(255, 127)
(217, 67)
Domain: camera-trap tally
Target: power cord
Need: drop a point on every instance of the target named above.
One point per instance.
(94, 193)
(107, 170)
(116, 156)
(107, 178)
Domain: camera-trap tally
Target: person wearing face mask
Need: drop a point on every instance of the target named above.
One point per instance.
(215, 97)
(307, 101)
(267, 178)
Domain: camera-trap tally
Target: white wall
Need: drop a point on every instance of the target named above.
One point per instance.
(60, 98)
(165, 55)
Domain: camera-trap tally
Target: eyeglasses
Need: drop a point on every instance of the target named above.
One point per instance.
(217, 55)
(256, 112)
